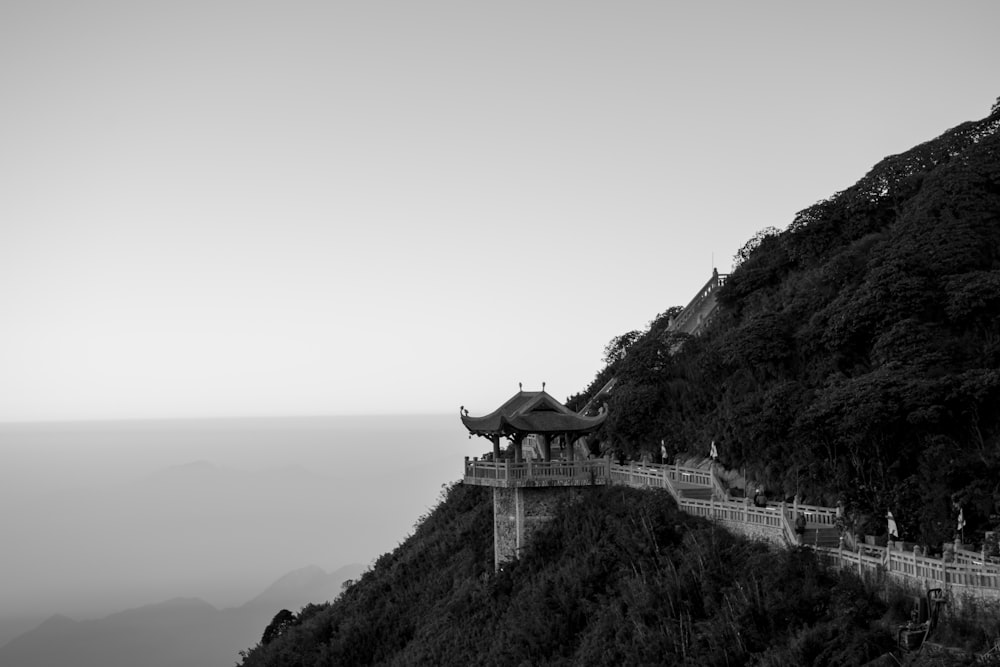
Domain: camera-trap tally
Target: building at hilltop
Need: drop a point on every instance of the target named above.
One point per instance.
(700, 310)
(691, 320)
(540, 468)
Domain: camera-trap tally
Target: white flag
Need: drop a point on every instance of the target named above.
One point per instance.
(893, 531)
(713, 453)
(961, 519)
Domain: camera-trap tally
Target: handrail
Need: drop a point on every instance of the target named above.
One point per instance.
(717, 280)
(717, 486)
(507, 470)
(909, 564)
(969, 569)
(818, 514)
(786, 527)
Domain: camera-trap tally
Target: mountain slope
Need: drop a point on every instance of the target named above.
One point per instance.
(855, 356)
(175, 633)
(621, 577)
(300, 587)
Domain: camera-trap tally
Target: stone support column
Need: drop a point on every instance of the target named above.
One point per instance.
(546, 444)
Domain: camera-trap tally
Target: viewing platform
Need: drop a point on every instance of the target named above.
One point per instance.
(542, 468)
(509, 474)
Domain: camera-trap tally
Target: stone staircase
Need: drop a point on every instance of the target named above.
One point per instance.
(819, 535)
(694, 491)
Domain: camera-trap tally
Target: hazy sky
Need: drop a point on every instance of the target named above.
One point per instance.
(101, 517)
(250, 208)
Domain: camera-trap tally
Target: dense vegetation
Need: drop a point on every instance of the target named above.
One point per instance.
(619, 578)
(855, 355)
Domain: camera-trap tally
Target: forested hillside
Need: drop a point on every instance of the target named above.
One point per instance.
(855, 355)
(620, 578)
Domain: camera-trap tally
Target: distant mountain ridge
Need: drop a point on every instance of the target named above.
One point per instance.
(180, 632)
(308, 584)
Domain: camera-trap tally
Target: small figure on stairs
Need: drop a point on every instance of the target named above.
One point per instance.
(800, 526)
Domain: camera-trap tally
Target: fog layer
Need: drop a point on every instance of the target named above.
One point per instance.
(102, 516)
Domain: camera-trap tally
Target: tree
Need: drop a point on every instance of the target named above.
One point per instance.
(281, 622)
(618, 346)
(744, 253)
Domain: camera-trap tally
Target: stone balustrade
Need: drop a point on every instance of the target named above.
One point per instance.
(967, 573)
(509, 474)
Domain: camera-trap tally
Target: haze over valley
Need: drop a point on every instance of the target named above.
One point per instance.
(105, 516)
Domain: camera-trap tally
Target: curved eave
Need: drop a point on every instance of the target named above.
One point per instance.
(554, 423)
(543, 423)
(492, 424)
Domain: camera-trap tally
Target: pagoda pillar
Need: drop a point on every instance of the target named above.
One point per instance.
(518, 448)
(546, 443)
(496, 446)
(570, 441)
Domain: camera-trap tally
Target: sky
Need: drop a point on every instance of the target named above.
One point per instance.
(258, 208)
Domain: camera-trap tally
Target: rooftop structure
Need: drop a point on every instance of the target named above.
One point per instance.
(533, 414)
(527, 488)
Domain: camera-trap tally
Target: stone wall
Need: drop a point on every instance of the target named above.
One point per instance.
(505, 525)
(521, 512)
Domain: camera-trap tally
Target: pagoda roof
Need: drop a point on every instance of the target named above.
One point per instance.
(532, 412)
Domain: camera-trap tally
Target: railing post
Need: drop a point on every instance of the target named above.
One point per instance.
(506, 470)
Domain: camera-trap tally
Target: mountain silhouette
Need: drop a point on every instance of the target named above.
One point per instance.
(179, 632)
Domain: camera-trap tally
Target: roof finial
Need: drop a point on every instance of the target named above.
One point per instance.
(543, 385)
(519, 387)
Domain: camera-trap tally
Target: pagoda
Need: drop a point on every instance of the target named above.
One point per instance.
(528, 480)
